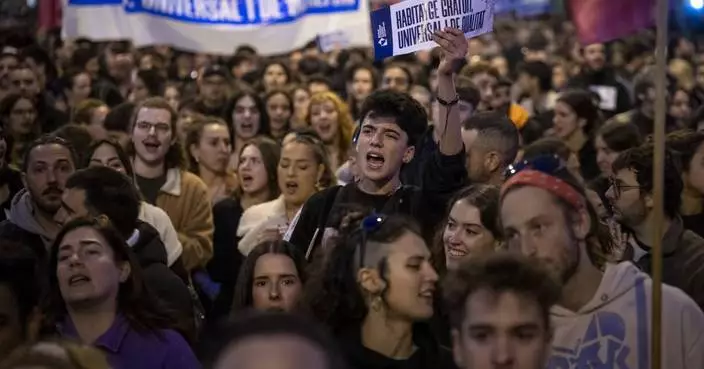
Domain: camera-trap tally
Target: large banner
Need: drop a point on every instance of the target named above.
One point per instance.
(217, 26)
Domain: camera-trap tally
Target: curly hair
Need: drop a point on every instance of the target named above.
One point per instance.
(333, 294)
(344, 120)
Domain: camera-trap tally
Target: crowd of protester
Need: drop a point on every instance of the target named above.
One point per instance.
(486, 204)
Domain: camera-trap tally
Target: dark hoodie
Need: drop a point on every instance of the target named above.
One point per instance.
(593, 80)
(428, 354)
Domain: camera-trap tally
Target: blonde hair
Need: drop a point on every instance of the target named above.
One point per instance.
(344, 120)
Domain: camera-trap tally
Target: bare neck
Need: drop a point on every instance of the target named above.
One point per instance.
(250, 199)
(91, 323)
(146, 170)
(210, 178)
(576, 141)
(389, 337)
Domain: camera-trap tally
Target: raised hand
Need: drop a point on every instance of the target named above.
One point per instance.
(454, 47)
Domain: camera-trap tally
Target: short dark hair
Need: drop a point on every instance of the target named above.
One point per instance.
(408, 113)
(111, 193)
(640, 160)
(48, 140)
(256, 323)
(319, 78)
(19, 271)
(620, 136)
(540, 70)
(154, 82)
(118, 118)
(496, 131)
(78, 136)
(499, 272)
(547, 146)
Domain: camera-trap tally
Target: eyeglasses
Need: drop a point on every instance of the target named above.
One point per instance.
(370, 224)
(548, 164)
(619, 187)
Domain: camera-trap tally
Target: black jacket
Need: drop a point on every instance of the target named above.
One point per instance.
(428, 355)
(682, 260)
(166, 286)
(441, 176)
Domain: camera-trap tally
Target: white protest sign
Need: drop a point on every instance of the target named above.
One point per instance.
(337, 40)
(408, 26)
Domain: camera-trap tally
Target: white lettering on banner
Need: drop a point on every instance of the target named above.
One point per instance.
(210, 10)
(269, 10)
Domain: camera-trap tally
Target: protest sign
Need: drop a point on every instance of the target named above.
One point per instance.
(333, 41)
(217, 26)
(408, 26)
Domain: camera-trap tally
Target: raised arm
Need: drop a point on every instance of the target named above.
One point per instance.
(447, 130)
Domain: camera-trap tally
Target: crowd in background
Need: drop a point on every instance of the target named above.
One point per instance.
(165, 209)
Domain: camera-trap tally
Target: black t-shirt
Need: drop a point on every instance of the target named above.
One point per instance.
(150, 187)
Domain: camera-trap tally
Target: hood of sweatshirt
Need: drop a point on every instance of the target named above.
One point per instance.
(618, 280)
(21, 214)
(611, 330)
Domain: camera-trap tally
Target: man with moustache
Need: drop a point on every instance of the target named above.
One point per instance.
(602, 318)
(48, 162)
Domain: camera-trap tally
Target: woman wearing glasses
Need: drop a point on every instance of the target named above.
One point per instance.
(374, 294)
(303, 170)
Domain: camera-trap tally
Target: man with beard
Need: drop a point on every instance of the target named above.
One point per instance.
(631, 196)
(602, 319)
(48, 162)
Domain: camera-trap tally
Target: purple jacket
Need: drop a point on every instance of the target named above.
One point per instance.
(126, 348)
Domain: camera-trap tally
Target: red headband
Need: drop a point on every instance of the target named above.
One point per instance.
(552, 184)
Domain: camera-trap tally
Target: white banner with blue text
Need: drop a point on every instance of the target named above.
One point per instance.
(217, 26)
(408, 26)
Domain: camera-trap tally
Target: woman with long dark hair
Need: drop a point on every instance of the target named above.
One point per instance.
(376, 292)
(98, 297)
(576, 118)
(271, 278)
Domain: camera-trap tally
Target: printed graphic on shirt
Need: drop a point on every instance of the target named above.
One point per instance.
(608, 342)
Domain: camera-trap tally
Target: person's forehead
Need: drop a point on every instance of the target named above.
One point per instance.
(154, 115)
(381, 122)
(626, 175)
(49, 153)
(505, 308)
(525, 203)
(274, 263)
(408, 245)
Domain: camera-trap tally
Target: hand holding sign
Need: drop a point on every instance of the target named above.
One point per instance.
(454, 48)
